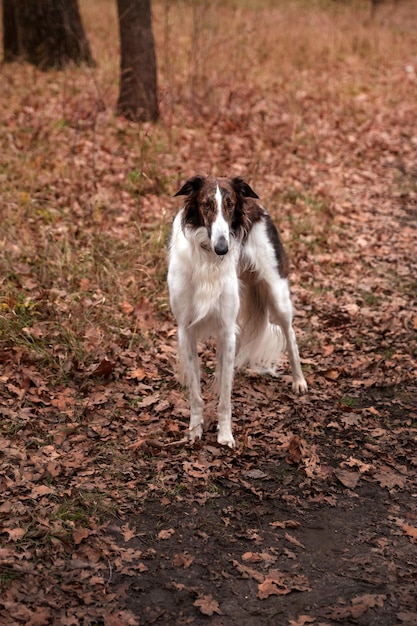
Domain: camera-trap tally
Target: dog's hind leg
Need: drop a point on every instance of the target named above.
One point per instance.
(282, 312)
(189, 363)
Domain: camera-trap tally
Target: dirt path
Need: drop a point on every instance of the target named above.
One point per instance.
(258, 542)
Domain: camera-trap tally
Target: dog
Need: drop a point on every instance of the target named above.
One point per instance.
(228, 277)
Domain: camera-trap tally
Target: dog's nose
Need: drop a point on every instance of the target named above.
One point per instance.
(221, 246)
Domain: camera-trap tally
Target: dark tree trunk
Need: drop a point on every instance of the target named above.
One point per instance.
(46, 33)
(10, 38)
(138, 98)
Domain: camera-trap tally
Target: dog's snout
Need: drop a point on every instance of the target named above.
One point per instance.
(221, 246)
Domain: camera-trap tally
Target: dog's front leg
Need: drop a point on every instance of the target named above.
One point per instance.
(225, 371)
(187, 344)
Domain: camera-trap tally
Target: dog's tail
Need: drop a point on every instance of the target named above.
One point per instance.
(260, 343)
(261, 352)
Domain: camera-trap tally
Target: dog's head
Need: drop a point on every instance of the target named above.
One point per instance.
(217, 204)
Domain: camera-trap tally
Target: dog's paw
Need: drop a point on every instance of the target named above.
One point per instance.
(225, 439)
(196, 432)
(299, 386)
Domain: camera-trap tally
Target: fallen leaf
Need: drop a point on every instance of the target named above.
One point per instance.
(128, 532)
(166, 534)
(259, 557)
(390, 479)
(41, 490)
(272, 587)
(138, 374)
(294, 541)
(359, 606)
(80, 534)
(409, 618)
(249, 572)
(278, 583)
(184, 560)
(294, 450)
(410, 531)
(302, 620)
(104, 368)
(15, 534)
(290, 523)
(207, 605)
(348, 479)
(127, 308)
(255, 474)
(331, 374)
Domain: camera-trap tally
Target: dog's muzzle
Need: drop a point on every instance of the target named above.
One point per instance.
(221, 247)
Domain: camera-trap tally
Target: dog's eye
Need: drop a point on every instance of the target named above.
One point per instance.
(229, 203)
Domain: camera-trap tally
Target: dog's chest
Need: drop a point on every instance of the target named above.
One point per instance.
(214, 291)
(212, 281)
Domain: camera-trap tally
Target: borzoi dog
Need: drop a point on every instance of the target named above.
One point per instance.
(228, 277)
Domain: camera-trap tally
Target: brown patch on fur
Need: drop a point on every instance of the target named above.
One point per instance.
(280, 253)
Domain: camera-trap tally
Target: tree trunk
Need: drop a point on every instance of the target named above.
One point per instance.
(138, 98)
(46, 33)
(10, 39)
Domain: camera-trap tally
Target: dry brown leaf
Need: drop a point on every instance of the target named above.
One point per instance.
(294, 450)
(138, 374)
(294, 541)
(290, 523)
(359, 606)
(390, 480)
(272, 587)
(104, 369)
(331, 374)
(410, 531)
(348, 479)
(259, 557)
(128, 532)
(249, 572)
(302, 620)
(41, 490)
(80, 534)
(207, 605)
(184, 560)
(15, 534)
(279, 583)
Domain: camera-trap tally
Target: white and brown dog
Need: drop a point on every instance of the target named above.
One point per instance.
(228, 277)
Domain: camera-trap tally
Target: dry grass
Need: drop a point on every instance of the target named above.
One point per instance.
(85, 197)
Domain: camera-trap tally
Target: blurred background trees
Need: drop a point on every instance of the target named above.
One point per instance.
(50, 34)
(46, 33)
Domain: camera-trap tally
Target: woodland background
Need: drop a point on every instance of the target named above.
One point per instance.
(107, 515)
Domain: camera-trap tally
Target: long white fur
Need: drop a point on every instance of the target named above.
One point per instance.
(238, 297)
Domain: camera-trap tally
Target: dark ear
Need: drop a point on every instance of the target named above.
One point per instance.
(242, 188)
(192, 185)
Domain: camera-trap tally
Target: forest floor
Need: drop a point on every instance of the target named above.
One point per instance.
(108, 515)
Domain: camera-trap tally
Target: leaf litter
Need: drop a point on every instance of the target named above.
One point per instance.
(108, 515)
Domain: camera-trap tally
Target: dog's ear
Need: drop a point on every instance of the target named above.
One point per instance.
(242, 188)
(193, 185)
